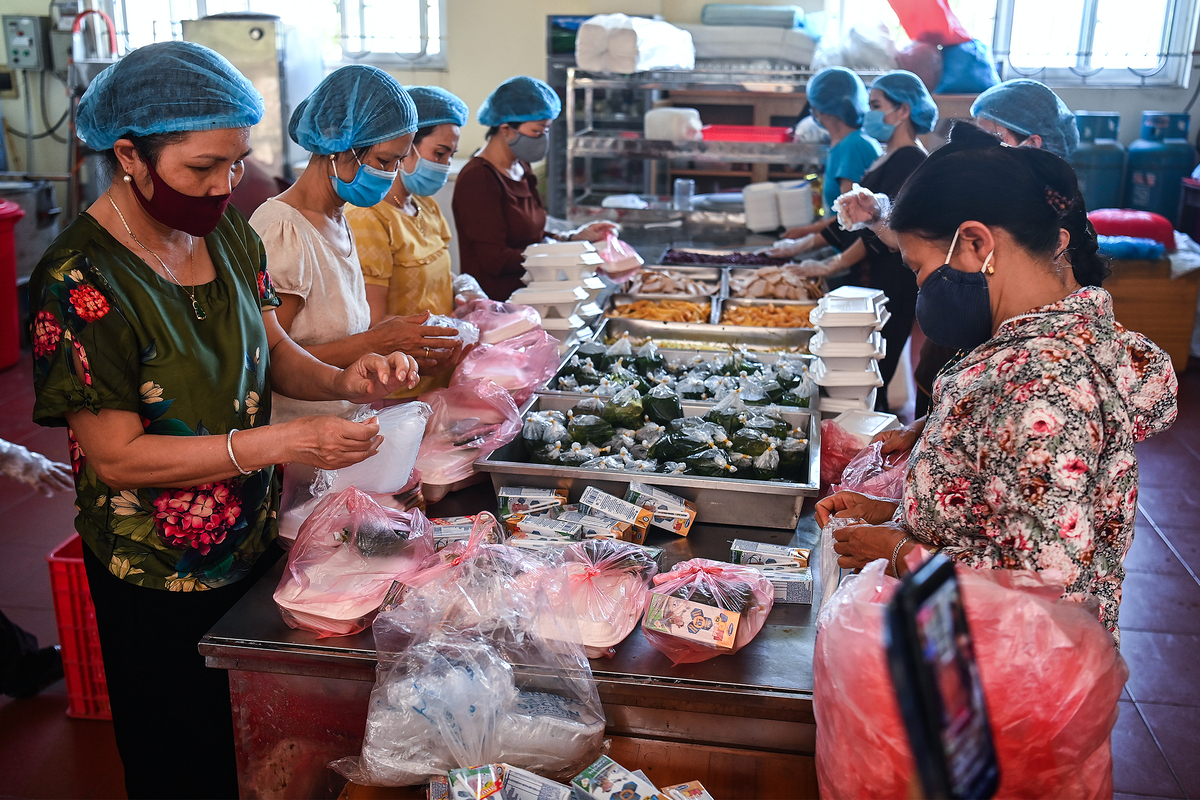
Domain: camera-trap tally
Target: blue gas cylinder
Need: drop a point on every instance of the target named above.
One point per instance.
(1157, 162)
(1099, 160)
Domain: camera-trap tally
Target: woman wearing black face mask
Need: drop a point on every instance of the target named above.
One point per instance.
(497, 210)
(1027, 460)
(155, 344)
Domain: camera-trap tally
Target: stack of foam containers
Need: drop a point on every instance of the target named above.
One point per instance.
(848, 345)
(561, 283)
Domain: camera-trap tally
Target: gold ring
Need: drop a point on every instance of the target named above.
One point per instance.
(427, 352)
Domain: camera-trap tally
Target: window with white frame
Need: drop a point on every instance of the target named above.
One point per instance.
(395, 33)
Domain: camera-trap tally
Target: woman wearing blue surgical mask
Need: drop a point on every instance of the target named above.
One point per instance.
(358, 124)
(404, 241)
(497, 209)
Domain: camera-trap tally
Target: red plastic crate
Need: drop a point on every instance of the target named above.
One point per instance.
(83, 666)
(746, 133)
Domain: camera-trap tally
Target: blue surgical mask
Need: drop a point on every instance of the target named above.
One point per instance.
(369, 187)
(426, 179)
(954, 308)
(874, 126)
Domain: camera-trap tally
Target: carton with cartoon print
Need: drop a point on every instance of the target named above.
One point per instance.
(708, 625)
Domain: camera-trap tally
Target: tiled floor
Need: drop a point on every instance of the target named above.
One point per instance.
(1156, 744)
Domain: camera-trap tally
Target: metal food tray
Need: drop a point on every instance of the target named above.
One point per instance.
(674, 356)
(722, 501)
(697, 299)
(748, 272)
(710, 275)
(746, 302)
(754, 339)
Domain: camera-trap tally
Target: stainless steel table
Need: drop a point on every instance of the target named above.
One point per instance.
(300, 702)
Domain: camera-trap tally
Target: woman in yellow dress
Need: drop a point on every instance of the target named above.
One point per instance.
(404, 241)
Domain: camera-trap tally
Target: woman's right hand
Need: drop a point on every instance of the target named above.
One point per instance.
(430, 345)
(869, 509)
(786, 248)
(331, 442)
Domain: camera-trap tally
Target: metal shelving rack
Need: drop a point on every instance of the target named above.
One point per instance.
(585, 140)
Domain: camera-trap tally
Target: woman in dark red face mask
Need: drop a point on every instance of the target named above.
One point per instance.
(155, 344)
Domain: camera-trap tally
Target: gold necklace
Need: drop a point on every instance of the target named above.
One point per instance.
(417, 216)
(191, 290)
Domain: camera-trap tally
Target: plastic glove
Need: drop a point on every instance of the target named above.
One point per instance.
(34, 468)
(466, 289)
(861, 208)
(816, 269)
(786, 248)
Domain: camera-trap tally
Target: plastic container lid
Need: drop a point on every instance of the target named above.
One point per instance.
(834, 378)
(10, 211)
(846, 312)
(875, 295)
(559, 248)
(866, 425)
(874, 347)
(564, 260)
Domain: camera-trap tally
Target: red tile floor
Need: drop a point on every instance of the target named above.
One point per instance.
(1156, 744)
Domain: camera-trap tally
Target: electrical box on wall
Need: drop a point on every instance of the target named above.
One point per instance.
(26, 42)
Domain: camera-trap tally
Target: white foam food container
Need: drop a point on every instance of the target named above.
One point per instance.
(569, 324)
(548, 286)
(846, 384)
(846, 333)
(553, 303)
(559, 248)
(876, 296)
(566, 260)
(848, 355)
(866, 425)
(593, 285)
(590, 312)
(833, 405)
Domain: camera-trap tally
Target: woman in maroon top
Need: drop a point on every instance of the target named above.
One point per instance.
(496, 205)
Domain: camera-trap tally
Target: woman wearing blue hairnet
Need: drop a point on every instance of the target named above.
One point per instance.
(404, 241)
(901, 108)
(497, 209)
(358, 124)
(156, 343)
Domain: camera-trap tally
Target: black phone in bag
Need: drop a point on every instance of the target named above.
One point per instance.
(932, 661)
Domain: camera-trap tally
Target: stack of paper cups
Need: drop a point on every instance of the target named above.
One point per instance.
(848, 346)
(561, 283)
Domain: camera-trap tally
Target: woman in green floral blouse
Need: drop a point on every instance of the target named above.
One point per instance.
(155, 343)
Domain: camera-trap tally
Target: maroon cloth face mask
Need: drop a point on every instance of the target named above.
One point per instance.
(195, 215)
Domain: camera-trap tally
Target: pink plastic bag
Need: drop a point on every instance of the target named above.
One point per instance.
(838, 447)
(468, 422)
(1050, 674)
(520, 364)
(346, 557)
(606, 588)
(871, 472)
(621, 261)
(712, 583)
(498, 321)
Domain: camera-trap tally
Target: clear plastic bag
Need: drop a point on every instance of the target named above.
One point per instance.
(389, 470)
(498, 321)
(520, 364)
(873, 473)
(743, 590)
(346, 557)
(467, 422)
(827, 559)
(468, 332)
(1050, 674)
(475, 667)
(606, 583)
(621, 262)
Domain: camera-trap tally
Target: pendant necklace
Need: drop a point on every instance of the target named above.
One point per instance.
(197, 309)
(416, 216)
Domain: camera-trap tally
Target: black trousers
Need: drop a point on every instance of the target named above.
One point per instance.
(888, 272)
(171, 714)
(16, 644)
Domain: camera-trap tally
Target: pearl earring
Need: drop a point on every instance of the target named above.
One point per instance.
(129, 179)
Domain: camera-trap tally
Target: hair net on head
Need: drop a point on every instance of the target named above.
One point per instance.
(520, 99)
(436, 106)
(165, 88)
(902, 86)
(355, 106)
(840, 93)
(1027, 107)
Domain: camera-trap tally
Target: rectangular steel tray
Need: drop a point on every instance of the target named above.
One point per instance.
(711, 275)
(738, 302)
(712, 302)
(743, 272)
(755, 339)
(722, 501)
(675, 356)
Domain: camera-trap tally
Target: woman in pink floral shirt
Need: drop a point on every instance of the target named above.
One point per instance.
(1027, 460)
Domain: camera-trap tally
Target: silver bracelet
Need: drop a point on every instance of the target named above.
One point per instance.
(229, 449)
(895, 554)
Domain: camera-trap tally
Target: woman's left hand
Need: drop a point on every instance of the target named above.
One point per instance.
(374, 377)
(595, 231)
(816, 269)
(859, 545)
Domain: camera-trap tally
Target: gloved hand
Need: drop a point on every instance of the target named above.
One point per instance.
(34, 468)
(786, 248)
(466, 289)
(861, 208)
(817, 269)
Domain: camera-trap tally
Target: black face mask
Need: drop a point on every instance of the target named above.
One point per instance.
(954, 308)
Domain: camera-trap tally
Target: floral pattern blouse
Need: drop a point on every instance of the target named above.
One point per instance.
(142, 349)
(1027, 461)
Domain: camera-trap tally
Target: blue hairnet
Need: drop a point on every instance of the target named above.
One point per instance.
(520, 99)
(165, 88)
(1028, 107)
(902, 86)
(840, 93)
(355, 106)
(436, 106)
